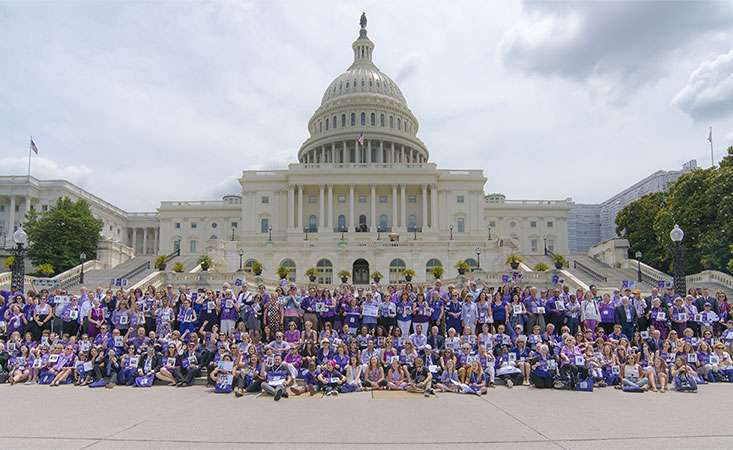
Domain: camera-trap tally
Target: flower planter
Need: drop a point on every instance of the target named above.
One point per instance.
(515, 266)
(461, 271)
(408, 278)
(558, 266)
(312, 278)
(344, 280)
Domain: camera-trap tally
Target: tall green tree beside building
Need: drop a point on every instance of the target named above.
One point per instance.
(61, 234)
(701, 202)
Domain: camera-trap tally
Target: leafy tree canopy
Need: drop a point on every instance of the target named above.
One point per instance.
(61, 234)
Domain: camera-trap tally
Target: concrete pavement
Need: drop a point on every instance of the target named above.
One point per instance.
(162, 417)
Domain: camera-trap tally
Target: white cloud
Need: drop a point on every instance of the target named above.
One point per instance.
(46, 169)
(729, 138)
(709, 91)
(617, 42)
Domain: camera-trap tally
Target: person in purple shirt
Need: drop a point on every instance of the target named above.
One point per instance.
(607, 311)
(63, 367)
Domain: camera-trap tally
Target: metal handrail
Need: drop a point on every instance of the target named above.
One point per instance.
(589, 271)
(136, 270)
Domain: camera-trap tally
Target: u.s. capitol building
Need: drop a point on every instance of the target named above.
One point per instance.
(363, 197)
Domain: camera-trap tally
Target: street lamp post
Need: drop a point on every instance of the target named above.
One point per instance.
(678, 266)
(232, 233)
(379, 233)
(82, 258)
(638, 265)
(545, 244)
(305, 230)
(241, 259)
(451, 231)
(478, 258)
(17, 279)
(269, 233)
(489, 229)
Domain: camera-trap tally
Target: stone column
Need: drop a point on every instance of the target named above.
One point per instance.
(11, 219)
(351, 207)
(403, 205)
(157, 240)
(424, 207)
(373, 219)
(330, 207)
(369, 152)
(322, 215)
(300, 208)
(291, 207)
(145, 241)
(395, 224)
(134, 241)
(434, 207)
(381, 152)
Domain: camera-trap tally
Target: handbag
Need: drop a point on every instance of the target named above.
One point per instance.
(144, 381)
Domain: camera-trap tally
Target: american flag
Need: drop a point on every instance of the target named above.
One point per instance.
(360, 138)
(710, 135)
(33, 147)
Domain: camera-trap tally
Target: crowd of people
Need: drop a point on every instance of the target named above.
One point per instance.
(295, 340)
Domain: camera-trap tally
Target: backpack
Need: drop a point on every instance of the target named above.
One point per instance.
(144, 381)
(99, 383)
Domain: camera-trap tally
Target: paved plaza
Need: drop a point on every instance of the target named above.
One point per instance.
(161, 417)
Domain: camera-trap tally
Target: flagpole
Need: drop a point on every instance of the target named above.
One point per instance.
(30, 148)
(712, 158)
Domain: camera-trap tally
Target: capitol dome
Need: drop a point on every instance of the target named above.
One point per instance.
(363, 117)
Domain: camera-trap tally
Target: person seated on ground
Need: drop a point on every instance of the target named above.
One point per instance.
(544, 368)
(310, 381)
(330, 378)
(397, 377)
(658, 373)
(683, 375)
(64, 366)
(449, 381)
(632, 374)
(353, 375)
(474, 378)
(506, 368)
(421, 380)
(170, 364)
(374, 375)
(278, 380)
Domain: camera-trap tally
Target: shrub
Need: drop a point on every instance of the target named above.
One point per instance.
(178, 267)
(46, 269)
(541, 267)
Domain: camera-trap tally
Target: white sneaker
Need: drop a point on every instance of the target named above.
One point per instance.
(509, 384)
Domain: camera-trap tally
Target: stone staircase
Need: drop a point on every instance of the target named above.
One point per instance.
(605, 277)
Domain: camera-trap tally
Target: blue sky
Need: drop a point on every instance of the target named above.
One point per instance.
(140, 102)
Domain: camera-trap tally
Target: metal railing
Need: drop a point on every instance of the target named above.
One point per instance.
(597, 276)
(136, 270)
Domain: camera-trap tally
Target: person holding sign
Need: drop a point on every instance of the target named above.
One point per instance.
(278, 380)
(404, 313)
(683, 376)
(70, 317)
(330, 379)
(19, 366)
(544, 367)
(187, 317)
(170, 364)
(633, 376)
(370, 312)
(42, 317)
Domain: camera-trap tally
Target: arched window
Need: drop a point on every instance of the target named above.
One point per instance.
(327, 121)
(353, 119)
(399, 122)
(383, 222)
(363, 223)
(334, 121)
(341, 222)
(396, 270)
(411, 222)
(373, 119)
(363, 118)
(312, 223)
(381, 120)
(325, 271)
(391, 121)
(320, 126)
(460, 225)
(248, 265)
(343, 120)
(290, 265)
(430, 265)
(177, 244)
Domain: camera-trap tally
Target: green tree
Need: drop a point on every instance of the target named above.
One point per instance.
(701, 202)
(636, 222)
(61, 234)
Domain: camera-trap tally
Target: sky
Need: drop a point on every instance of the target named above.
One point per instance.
(142, 102)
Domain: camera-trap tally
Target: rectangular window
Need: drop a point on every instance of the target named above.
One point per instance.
(44, 208)
(341, 199)
(411, 199)
(2, 208)
(551, 245)
(193, 246)
(264, 225)
(194, 225)
(362, 199)
(533, 245)
(549, 224)
(235, 224)
(492, 224)
(312, 199)
(178, 225)
(461, 225)
(382, 199)
(460, 199)
(265, 199)
(533, 224)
